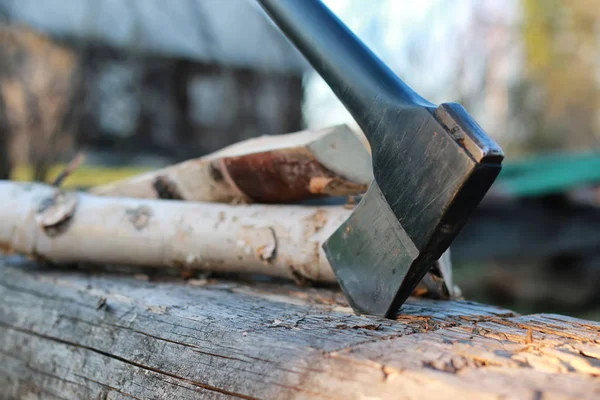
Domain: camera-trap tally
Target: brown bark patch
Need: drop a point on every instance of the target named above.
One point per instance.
(283, 176)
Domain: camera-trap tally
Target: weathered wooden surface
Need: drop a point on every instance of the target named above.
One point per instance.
(74, 335)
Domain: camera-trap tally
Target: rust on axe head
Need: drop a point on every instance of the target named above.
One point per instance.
(432, 165)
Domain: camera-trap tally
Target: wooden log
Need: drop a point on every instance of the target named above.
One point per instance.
(274, 240)
(77, 335)
(268, 169)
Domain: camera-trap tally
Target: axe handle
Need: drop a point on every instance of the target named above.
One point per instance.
(362, 82)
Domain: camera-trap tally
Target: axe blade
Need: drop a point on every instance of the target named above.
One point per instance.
(433, 183)
(371, 254)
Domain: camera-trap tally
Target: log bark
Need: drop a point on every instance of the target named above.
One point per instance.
(74, 227)
(268, 169)
(274, 240)
(78, 335)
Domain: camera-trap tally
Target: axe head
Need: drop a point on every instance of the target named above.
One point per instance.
(432, 167)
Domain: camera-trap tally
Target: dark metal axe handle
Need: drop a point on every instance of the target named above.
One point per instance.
(355, 74)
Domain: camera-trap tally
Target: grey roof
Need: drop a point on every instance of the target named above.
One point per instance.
(230, 32)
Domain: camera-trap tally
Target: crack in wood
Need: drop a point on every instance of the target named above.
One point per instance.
(191, 346)
(114, 389)
(38, 371)
(133, 363)
(15, 288)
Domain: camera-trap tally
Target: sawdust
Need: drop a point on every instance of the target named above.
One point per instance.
(529, 338)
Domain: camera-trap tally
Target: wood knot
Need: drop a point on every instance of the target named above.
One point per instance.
(139, 217)
(55, 212)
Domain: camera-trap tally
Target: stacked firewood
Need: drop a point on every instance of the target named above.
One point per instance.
(262, 206)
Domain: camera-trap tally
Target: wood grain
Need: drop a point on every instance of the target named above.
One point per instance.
(78, 334)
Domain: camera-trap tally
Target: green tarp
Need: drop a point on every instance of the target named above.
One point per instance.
(550, 173)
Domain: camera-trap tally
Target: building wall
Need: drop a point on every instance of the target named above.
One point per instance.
(177, 109)
(123, 106)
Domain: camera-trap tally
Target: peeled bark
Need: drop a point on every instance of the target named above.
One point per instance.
(268, 169)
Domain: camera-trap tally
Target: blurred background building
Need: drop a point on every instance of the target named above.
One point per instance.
(150, 82)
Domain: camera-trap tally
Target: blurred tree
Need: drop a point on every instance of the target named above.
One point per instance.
(559, 95)
(5, 164)
(38, 87)
(530, 76)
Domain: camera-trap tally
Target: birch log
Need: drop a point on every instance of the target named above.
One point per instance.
(274, 240)
(268, 169)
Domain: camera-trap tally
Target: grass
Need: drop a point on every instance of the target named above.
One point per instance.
(84, 176)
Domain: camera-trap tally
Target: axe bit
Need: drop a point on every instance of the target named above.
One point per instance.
(432, 165)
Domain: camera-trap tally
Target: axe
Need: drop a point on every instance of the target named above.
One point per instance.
(432, 165)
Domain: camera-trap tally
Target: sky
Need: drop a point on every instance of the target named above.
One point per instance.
(386, 26)
(414, 38)
(421, 40)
